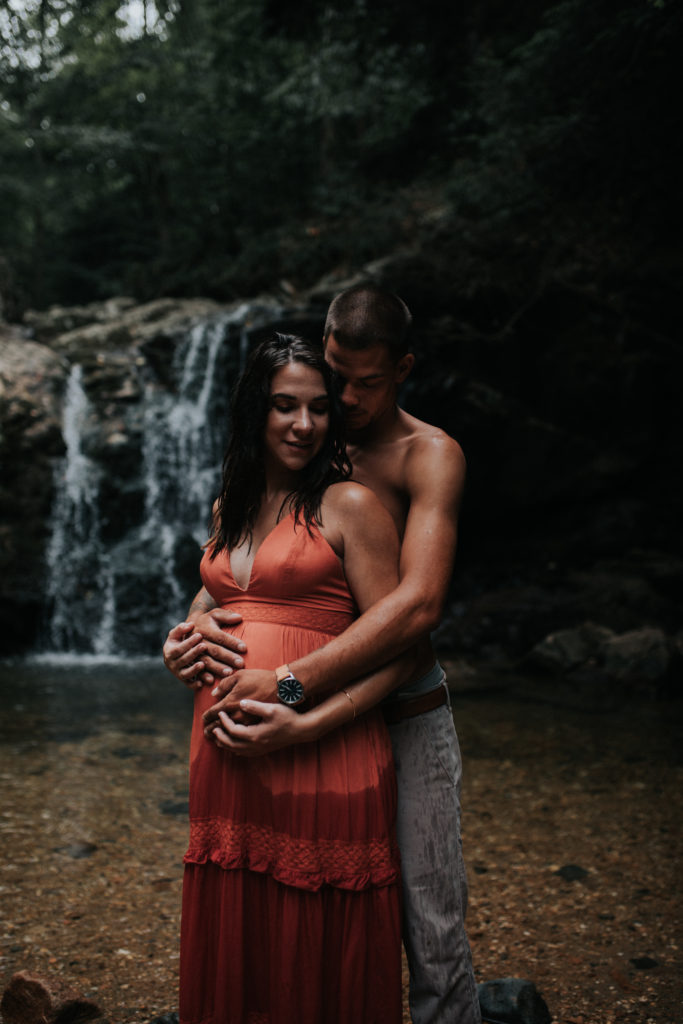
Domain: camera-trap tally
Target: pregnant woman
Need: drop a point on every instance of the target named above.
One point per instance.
(291, 893)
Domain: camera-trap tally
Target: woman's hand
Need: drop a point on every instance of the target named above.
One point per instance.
(277, 726)
(254, 684)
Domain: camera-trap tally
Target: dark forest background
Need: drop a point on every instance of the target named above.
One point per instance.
(218, 147)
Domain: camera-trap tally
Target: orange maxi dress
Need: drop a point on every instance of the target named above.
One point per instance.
(291, 892)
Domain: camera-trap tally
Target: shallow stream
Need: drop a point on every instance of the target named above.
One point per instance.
(93, 826)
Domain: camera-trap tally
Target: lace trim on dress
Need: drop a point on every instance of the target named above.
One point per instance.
(302, 616)
(303, 863)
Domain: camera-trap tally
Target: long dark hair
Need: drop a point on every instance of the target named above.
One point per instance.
(243, 465)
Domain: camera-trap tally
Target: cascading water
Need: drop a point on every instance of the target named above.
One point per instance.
(76, 560)
(114, 591)
(183, 440)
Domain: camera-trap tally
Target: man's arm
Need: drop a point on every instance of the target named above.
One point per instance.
(279, 726)
(435, 478)
(199, 650)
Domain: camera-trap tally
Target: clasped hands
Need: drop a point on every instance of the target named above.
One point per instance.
(246, 718)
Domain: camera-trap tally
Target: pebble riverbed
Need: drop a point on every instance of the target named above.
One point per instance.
(93, 764)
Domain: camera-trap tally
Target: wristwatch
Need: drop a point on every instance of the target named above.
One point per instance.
(289, 690)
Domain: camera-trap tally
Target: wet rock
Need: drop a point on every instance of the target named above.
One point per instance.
(643, 658)
(644, 963)
(31, 385)
(178, 808)
(512, 1001)
(113, 349)
(569, 648)
(30, 999)
(78, 850)
(628, 593)
(572, 872)
(506, 620)
(47, 324)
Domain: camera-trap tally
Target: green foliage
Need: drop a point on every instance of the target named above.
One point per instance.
(224, 144)
(566, 154)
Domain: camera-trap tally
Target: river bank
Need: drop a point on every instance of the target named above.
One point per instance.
(93, 761)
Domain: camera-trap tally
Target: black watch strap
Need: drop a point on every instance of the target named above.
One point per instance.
(290, 691)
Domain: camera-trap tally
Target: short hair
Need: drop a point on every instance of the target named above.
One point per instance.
(368, 315)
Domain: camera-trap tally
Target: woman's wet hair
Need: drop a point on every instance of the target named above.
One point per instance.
(244, 481)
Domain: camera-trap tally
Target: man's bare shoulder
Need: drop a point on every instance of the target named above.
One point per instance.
(428, 444)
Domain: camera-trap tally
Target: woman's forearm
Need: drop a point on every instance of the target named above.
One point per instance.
(355, 699)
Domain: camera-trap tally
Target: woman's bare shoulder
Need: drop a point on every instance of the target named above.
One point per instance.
(350, 497)
(357, 525)
(345, 506)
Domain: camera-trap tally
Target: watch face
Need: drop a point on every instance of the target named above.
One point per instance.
(290, 690)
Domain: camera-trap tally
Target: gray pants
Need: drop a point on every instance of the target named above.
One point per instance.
(429, 770)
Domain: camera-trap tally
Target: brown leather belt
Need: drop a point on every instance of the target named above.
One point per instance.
(397, 710)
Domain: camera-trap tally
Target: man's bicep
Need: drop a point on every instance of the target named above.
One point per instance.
(428, 554)
(371, 552)
(431, 532)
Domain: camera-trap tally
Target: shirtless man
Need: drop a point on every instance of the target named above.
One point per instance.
(418, 473)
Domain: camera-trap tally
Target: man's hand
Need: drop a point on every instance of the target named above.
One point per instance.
(199, 651)
(182, 652)
(248, 684)
(223, 651)
(276, 726)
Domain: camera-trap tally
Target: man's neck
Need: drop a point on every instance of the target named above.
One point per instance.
(382, 431)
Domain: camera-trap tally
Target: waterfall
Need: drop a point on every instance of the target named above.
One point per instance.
(76, 560)
(97, 588)
(183, 440)
(123, 558)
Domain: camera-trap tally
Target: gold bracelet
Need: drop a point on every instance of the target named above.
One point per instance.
(353, 704)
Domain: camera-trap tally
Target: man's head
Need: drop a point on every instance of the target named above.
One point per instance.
(367, 315)
(366, 342)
